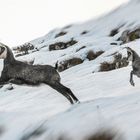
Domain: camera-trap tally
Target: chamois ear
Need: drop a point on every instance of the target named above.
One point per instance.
(128, 48)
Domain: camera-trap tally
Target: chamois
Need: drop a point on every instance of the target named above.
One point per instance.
(18, 72)
(134, 57)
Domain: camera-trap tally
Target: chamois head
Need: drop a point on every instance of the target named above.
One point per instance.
(3, 51)
(130, 54)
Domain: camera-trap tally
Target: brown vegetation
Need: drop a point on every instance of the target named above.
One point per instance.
(69, 63)
(128, 36)
(118, 62)
(105, 135)
(24, 48)
(91, 55)
(62, 45)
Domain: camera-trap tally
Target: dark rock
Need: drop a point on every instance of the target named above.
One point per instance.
(113, 43)
(68, 26)
(80, 48)
(114, 32)
(84, 32)
(60, 34)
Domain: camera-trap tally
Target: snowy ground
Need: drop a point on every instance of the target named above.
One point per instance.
(107, 98)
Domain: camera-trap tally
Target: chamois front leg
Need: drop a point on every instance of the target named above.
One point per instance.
(16, 81)
(2, 82)
(131, 78)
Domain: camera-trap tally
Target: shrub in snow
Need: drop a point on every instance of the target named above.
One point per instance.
(118, 62)
(62, 45)
(92, 55)
(128, 36)
(69, 63)
(24, 49)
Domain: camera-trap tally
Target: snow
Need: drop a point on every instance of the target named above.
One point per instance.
(107, 98)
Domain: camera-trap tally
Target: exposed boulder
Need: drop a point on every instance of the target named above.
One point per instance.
(60, 34)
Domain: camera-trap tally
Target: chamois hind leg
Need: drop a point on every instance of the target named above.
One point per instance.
(61, 89)
(67, 91)
(131, 78)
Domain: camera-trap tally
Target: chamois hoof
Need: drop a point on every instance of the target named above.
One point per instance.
(132, 83)
(77, 102)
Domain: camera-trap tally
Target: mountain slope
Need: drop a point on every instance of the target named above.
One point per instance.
(107, 98)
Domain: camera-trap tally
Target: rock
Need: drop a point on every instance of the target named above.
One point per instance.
(84, 32)
(113, 43)
(80, 48)
(60, 34)
(114, 32)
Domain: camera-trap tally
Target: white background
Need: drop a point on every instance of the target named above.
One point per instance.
(24, 20)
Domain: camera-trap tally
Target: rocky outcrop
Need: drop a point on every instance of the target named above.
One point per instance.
(60, 34)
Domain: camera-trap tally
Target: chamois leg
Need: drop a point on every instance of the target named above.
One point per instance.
(61, 89)
(2, 82)
(131, 78)
(67, 92)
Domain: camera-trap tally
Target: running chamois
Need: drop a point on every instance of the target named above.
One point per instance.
(134, 57)
(18, 72)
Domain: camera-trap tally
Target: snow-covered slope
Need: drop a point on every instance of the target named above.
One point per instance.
(107, 98)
